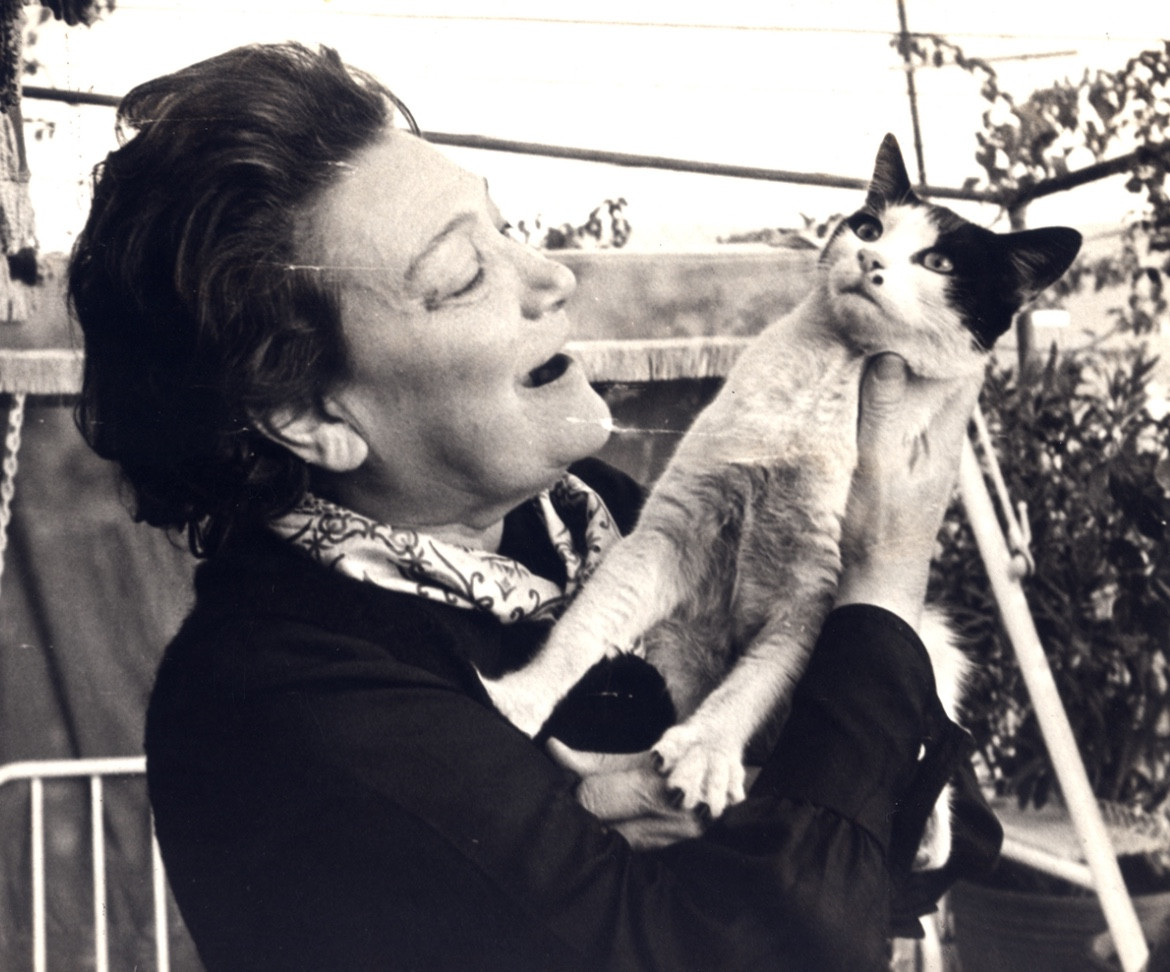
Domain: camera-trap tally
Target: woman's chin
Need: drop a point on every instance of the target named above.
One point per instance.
(575, 417)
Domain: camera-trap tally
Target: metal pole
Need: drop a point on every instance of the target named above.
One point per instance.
(159, 887)
(911, 90)
(1058, 736)
(37, 836)
(101, 927)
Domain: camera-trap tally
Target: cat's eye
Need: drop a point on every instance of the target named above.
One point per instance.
(937, 262)
(866, 228)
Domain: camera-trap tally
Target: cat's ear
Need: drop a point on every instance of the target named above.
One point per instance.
(1040, 256)
(890, 183)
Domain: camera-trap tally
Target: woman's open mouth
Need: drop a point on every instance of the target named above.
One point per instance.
(548, 372)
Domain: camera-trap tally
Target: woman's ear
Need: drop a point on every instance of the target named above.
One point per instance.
(326, 441)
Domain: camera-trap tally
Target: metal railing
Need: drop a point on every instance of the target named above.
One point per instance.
(96, 771)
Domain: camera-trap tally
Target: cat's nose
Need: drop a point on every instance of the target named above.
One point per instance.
(870, 263)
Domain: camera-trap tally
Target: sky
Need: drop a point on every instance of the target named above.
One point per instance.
(798, 86)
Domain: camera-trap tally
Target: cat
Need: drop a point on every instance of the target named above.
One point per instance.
(733, 565)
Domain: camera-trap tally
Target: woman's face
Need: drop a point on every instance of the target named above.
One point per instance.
(459, 387)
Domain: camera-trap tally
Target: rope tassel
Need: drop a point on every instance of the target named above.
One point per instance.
(8, 468)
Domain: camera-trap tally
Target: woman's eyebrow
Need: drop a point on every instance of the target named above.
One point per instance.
(453, 225)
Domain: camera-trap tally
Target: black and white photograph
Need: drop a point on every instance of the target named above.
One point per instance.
(610, 487)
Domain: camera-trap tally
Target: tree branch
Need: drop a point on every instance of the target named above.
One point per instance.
(1091, 173)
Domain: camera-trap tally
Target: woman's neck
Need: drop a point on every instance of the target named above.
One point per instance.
(476, 535)
(487, 538)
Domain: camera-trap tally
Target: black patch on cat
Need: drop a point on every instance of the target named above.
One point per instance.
(996, 273)
(982, 289)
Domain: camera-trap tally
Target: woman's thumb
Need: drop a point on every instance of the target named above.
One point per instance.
(882, 389)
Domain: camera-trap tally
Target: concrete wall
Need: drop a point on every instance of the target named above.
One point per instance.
(733, 291)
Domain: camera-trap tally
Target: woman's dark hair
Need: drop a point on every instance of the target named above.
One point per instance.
(192, 285)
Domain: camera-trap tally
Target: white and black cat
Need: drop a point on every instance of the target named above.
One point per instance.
(735, 560)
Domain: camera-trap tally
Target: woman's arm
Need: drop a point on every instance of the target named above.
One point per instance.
(909, 439)
(811, 842)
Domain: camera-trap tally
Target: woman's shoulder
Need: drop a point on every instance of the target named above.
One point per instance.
(266, 612)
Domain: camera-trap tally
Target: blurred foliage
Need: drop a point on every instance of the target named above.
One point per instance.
(1072, 132)
(604, 228)
(1080, 447)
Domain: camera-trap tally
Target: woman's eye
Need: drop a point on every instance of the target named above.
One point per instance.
(937, 262)
(867, 230)
(470, 285)
(440, 295)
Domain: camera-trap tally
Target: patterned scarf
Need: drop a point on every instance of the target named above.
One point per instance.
(579, 525)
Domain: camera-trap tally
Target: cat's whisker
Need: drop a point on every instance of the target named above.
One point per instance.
(610, 426)
(639, 430)
(605, 423)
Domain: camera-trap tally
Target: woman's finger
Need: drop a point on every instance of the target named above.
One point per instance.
(585, 763)
(625, 794)
(650, 833)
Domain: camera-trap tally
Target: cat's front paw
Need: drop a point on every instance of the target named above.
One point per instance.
(702, 769)
(521, 703)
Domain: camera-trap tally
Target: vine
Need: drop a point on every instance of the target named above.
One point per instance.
(1031, 148)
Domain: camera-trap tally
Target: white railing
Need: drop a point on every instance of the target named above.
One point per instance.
(96, 770)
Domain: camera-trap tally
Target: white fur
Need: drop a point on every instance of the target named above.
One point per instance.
(952, 668)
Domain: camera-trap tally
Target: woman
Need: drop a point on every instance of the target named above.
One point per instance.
(311, 345)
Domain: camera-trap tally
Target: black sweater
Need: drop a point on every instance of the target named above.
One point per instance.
(333, 790)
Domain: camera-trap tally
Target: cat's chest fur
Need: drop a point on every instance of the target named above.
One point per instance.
(764, 472)
(790, 402)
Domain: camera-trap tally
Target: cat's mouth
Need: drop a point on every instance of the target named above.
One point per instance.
(858, 290)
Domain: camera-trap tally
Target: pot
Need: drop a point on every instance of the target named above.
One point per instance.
(997, 930)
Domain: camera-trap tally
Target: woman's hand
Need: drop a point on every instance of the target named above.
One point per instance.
(625, 791)
(909, 439)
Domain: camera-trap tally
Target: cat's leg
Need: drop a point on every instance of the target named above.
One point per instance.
(952, 667)
(692, 652)
(703, 756)
(788, 563)
(642, 581)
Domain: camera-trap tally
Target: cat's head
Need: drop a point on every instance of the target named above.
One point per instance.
(908, 276)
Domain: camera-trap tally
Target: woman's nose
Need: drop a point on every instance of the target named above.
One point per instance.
(547, 284)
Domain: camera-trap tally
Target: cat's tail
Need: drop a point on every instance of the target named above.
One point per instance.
(952, 667)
